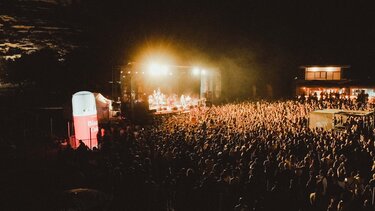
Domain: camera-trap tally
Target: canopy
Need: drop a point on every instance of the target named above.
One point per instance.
(325, 118)
(103, 107)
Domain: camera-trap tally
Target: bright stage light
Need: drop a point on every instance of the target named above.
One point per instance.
(164, 69)
(154, 69)
(196, 71)
(157, 69)
(203, 72)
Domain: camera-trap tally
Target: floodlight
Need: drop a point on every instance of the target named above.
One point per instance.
(196, 71)
(154, 69)
(164, 69)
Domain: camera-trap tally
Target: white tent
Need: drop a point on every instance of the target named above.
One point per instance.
(103, 107)
(323, 118)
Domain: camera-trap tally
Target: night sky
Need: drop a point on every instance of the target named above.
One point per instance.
(251, 42)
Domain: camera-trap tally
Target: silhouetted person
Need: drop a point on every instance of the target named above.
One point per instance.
(82, 146)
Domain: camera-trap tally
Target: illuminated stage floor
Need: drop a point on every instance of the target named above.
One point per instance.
(170, 110)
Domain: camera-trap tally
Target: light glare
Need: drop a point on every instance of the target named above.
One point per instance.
(331, 69)
(164, 69)
(154, 69)
(196, 71)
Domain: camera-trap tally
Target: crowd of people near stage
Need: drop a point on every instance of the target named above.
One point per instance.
(239, 156)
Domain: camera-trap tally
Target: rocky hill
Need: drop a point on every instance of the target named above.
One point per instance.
(27, 26)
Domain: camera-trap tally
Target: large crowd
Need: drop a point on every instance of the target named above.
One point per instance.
(239, 156)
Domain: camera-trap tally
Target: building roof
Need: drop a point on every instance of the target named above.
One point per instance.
(343, 112)
(362, 83)
(330, 83)
(356, 113)
(328, 111)
(336, 83)
(332, 65)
